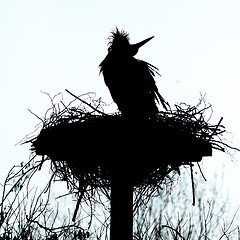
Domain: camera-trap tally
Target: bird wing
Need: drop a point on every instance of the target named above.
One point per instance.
(131, 84)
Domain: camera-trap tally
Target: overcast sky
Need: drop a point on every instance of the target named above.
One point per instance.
(52, 45)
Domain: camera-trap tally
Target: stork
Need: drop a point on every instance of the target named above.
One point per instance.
(130, 80)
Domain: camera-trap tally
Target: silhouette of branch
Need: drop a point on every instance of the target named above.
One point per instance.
(201, 172)
(216, 128)
(193, 187)
(226, 231)
(174, 230)
(71, 135)
(35, 115)
(86, 103)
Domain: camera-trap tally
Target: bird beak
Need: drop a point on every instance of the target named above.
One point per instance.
(140, 44)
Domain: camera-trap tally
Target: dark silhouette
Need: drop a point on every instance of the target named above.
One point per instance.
(130, 80)
(95, 152)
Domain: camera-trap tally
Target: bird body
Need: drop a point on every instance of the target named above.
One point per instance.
(130, 81)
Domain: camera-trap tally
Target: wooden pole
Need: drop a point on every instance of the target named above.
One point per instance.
(121, 206)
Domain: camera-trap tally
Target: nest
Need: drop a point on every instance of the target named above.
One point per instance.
(86, 145)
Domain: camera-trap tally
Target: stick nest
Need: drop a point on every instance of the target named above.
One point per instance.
(86, 145)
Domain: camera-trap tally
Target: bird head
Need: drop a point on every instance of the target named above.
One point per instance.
(119, 43)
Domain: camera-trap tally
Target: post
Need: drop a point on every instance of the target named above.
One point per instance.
(121, 227)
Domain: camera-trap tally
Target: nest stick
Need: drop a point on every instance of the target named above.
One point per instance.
(193, 187)
(216, 128)
(95, 109)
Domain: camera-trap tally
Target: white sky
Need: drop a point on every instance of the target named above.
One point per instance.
(52, 45)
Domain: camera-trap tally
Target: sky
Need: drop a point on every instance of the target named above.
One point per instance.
(53, 45)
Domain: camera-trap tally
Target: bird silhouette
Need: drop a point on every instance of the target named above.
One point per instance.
(130, 80)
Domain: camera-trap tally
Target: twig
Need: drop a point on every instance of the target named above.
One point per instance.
(57, 228)
(216, 128)
(193, 187)
(95, 109)
(36, 115)
(201, 172)
(230, 224)
(78, 204)
(165, 226)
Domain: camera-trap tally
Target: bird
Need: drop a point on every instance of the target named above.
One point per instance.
(130, 81)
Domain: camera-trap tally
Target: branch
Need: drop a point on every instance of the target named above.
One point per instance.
(165, 226)
(193, 188)
(216, 128)
(88, 104)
